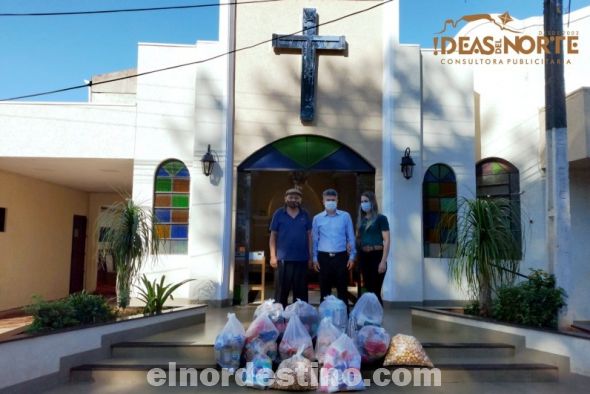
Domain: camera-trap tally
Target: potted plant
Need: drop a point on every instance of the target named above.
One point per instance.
(488, 252)
(129, 236)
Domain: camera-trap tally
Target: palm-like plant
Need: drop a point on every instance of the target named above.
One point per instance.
(129, 236)
(488, 251)
(154, 294)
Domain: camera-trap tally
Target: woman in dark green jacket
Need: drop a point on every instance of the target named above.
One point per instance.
(373, 240)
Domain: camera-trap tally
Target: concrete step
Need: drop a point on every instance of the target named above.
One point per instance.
(131, 370)
(436, 350)
(205, 353)
(582, 325)
(169, 350)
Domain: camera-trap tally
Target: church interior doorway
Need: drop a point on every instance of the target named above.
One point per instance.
(310, 163)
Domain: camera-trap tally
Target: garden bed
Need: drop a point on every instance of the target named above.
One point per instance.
(573, 345)
(44, 359)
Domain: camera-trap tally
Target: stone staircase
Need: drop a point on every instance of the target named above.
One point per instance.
(472, 362)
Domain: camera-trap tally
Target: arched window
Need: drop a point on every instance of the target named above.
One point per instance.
(171, 206)
(498, 178)
(439, 199)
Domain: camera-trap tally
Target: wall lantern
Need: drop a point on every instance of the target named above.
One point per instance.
(407, 164)
(208, 161)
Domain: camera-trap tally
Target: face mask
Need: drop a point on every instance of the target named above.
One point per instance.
(366, 206)
(330, 205)
(293, 204)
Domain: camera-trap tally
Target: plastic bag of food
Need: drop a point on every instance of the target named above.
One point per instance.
(341, 369)
(230, 343)
(366, 312)
(308, 315)
(406, 350)
(258, 372)
(261, 338)
(372, 342)
(335, 309)
(296, 374)
(328, 333)
(296, 337)
(275, 313)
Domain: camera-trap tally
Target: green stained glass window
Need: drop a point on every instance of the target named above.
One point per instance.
(439, 211)
(171, 206)
(163, 185)
(499, 179)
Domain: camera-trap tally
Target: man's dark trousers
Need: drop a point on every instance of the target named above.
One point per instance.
(291, 275)
(333, 272)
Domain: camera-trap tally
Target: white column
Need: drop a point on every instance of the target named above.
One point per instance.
(402, 199)
(558, 213)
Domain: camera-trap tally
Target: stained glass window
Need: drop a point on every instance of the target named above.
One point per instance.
(171, 206)
(439, 211)
(498, 178)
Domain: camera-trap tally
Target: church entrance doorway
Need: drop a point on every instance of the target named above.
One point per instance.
(310, 163)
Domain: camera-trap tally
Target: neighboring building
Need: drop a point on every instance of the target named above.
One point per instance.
(471, 130)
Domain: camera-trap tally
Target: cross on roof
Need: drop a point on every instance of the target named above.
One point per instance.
(309, 43)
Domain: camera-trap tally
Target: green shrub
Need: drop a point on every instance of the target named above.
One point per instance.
(90, 308)
(77, 309)
(472, 308)
(535, 302)
(50, 315)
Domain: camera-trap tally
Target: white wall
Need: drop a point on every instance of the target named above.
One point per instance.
(448, 138)
(404, 278)
(179, 113)
(580, 251)
(67, 130)
(511, 128)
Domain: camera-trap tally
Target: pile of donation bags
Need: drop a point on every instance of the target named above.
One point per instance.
(296, 337)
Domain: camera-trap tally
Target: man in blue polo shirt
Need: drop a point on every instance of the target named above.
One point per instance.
(290, 247)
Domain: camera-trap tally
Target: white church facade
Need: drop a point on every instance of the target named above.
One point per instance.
(471, 129)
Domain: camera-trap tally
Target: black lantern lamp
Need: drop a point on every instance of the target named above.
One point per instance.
(208, 161)
(407, 164)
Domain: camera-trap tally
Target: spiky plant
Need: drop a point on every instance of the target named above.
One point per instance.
(128, 235)
(155, 294)
(488, 251)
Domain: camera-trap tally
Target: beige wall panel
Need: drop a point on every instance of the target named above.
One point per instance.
(35, 249)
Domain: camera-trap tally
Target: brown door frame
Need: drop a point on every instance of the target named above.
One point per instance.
(77, 259)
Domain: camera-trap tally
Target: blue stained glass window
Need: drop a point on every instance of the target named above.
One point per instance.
(179, 231)
(163, 215)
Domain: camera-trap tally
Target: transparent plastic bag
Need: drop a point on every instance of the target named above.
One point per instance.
(308, 315)
(372, 342)
(261, 338)
(366, 312)
(258, 373)
(275, 313)
(230, 343)
(341, 369)
(296, 337)
(335, 309)
(296, 374)
(406, 350)
(328, 333)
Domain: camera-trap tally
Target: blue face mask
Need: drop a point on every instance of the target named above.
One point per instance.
(366, 206)
(330, 205)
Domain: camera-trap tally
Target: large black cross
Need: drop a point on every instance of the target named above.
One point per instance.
(309, 42)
